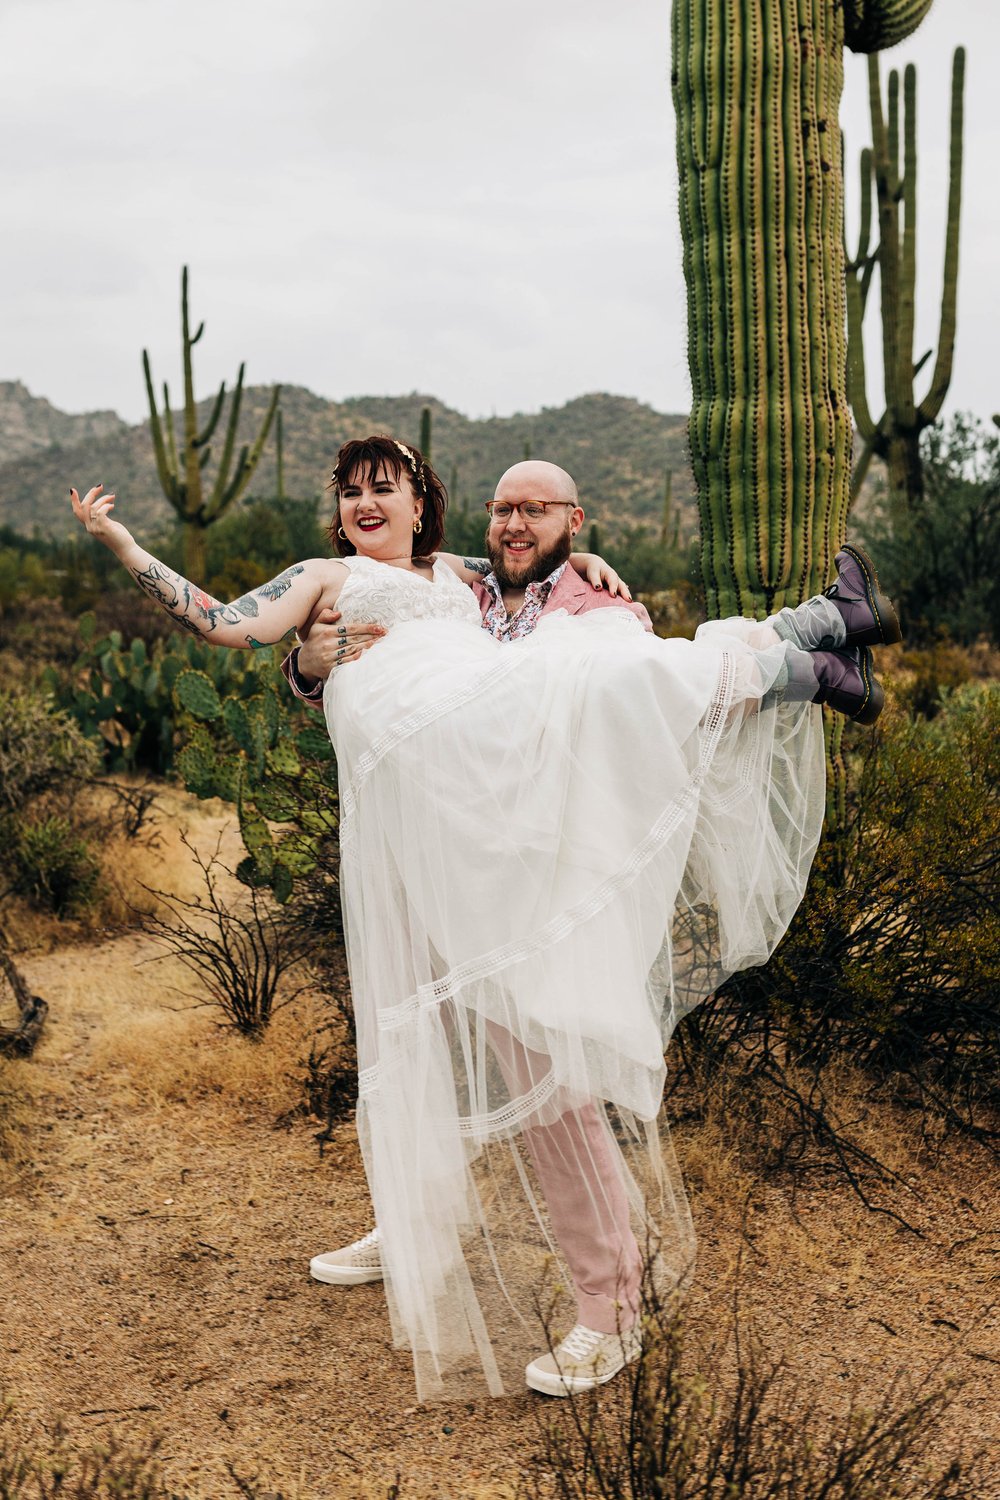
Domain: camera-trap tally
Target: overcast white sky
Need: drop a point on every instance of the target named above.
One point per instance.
(472, 200)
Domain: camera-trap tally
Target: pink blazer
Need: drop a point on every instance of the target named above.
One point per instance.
(572, 593)
(576, 596)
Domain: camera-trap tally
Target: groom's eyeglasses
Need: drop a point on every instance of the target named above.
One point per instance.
(531, 510)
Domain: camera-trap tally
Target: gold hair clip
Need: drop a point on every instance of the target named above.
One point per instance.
(410, 457)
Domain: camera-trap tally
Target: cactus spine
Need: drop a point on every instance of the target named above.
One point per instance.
(182, 473)
(757, 93)
(895, 437)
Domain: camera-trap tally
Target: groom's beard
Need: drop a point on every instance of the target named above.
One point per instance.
(532, 567)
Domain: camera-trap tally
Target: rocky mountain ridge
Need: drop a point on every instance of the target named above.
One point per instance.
(619, 450)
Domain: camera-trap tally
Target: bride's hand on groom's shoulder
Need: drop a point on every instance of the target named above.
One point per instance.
(601, 575)
(330, 643)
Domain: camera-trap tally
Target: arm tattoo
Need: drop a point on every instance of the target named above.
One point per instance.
(159, 583)
(478, 565)
(277, 586)
(190, 605)
(247, 606)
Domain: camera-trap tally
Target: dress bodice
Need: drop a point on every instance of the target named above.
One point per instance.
(388, 596)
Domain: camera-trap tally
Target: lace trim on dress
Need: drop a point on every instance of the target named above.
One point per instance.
(560, 927)
(509, 1115)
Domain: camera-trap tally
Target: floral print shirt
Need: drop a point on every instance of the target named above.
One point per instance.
(505, 627)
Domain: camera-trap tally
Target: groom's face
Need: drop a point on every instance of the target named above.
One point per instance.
(523, 551)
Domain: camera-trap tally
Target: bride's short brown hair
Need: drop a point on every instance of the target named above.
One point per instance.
(368, 456)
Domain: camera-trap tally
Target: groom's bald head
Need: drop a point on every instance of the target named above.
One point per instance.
(534, 474)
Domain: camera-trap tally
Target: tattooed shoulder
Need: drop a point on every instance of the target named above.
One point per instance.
(478, 565)
(279, 585)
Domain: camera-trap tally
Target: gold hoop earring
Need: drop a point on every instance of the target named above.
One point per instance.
(418, 526)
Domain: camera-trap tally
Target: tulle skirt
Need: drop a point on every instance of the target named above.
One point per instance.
(551, 850)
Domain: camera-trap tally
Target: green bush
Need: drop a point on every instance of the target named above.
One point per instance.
(892, 962)
(42, 749)
(54, 865)
(938, 560)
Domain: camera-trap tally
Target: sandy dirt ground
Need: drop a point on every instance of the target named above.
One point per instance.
(154, 1253)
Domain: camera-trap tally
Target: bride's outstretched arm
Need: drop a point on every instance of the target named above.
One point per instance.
(261, 617)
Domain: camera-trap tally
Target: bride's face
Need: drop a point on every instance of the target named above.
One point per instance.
(378, 514)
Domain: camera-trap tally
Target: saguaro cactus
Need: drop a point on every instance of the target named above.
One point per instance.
(182, 473)
(757, 92)
(895, 437)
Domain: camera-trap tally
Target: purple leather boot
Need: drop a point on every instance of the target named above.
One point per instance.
(844, 679)
(868, 615)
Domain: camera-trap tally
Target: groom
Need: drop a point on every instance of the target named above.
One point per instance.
(534, 517)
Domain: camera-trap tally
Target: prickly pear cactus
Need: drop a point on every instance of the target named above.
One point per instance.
(245, 749)
(196, 692)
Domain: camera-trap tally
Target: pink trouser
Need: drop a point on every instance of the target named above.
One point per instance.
(580, 1176)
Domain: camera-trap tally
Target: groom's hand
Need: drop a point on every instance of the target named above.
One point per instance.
(331, 643)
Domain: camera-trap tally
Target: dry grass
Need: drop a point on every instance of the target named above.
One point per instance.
(16, 1117)
(157, 857)
(155, 1046)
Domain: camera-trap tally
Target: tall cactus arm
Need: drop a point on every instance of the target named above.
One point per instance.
(874, 25)
(168, 422)
(217, 500)
(930, 407)
(908, 246)
(857, 386)
(863, 462)
(896, 360)
(169, 479)
(279, 444)
(210, 425)
(250, 458)
(862, 258)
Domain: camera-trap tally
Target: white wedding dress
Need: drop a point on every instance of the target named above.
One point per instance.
(551, 849)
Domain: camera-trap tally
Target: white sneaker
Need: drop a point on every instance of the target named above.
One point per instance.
(351, 1266)
(583, 1360)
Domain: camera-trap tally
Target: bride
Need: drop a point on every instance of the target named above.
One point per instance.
(551, 849)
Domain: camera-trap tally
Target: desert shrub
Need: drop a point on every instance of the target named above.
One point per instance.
(676, 611)
(54, 865)
(739, 1426)
(41, 749)
(45, 760)
(56, 817)
(892, 962)
(938, 559)
(928, 674)
(240, 952)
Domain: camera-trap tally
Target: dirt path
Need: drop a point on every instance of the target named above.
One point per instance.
(153, 1265)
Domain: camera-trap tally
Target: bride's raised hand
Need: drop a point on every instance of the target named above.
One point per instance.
(94, 513)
